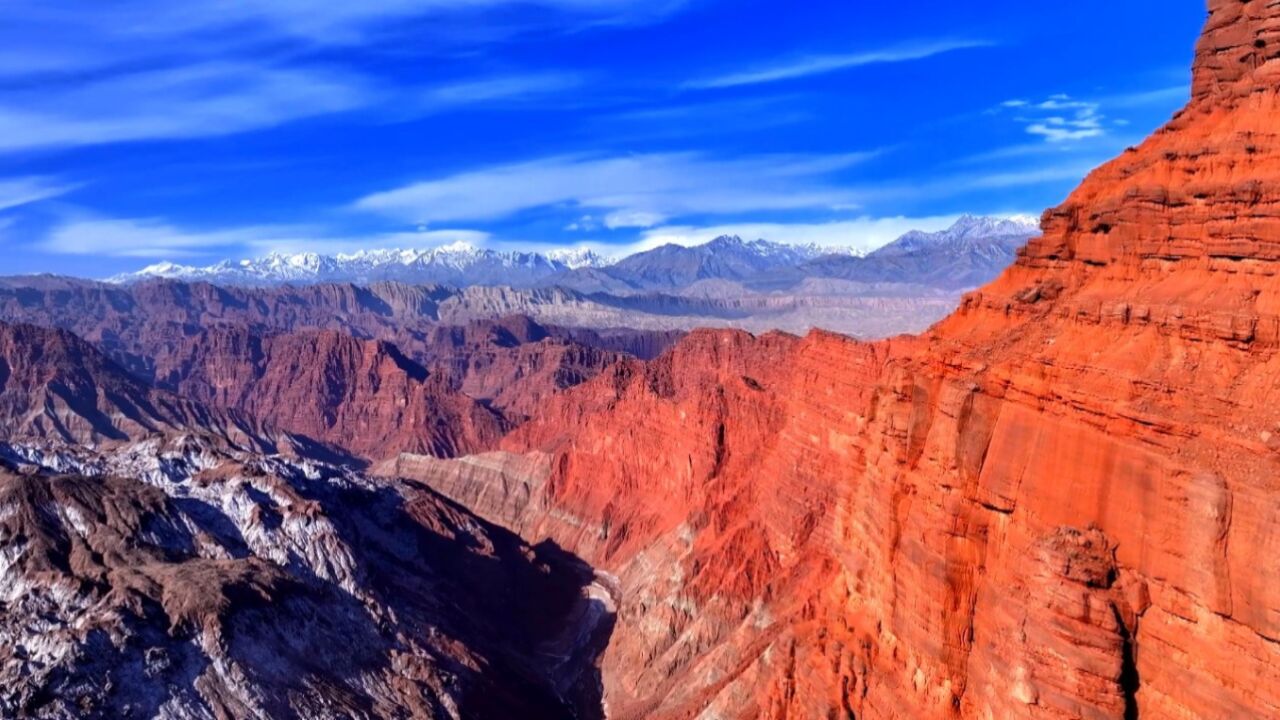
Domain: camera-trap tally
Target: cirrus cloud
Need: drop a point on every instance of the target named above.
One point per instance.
(631, 190)
(821, 64)
(156, 238)
(16, 192)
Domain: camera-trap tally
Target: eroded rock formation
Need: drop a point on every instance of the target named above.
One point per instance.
(1059, 502)
(361, 395)
(56, 387)
(193, 583)
(139, 325)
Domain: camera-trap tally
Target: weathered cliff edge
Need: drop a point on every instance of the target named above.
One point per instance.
(1060, 502)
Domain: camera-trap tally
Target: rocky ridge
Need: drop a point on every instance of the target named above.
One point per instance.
(728, 282)
(459, 263)
(190, 582)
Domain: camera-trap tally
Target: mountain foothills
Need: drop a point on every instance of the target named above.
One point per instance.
(291, 492)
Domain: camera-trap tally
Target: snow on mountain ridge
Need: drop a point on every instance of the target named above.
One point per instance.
(988, 234)
(463, 263)
(771, 250)
(445, 263)
(575, 258)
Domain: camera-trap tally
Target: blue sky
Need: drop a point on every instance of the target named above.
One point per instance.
(141, 130)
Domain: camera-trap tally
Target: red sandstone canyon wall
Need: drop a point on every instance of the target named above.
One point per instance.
(1060, 502)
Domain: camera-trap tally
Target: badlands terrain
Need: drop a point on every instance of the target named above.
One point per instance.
(373, 497)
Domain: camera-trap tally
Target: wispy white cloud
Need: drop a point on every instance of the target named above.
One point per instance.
(1064, 127)
(1100, 148)
(1062, 119)
(632, 219)
(632, 191)
(155, 238)
(714, 118)
(1171, 95)
(329, 244)
(502, 88)
(193, 101)
(78, 35)
(16, 192)
(586, 223)
(217, 99)
(821, 64)
(1072, 170)
(987, 184)
(83, 73)
(348, 22)
(1084, 125)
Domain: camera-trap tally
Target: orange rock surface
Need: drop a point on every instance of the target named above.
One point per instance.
(1060, 502)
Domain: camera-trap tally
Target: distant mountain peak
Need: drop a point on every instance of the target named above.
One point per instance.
(993, 226)
(729, 240)
(460, 263)
(575, 258)
(726, 257)
(1031, 221)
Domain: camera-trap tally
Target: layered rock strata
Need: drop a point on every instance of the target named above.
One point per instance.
(1060, 502)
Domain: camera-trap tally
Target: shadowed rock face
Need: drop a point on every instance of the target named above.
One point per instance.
(199, 584)
(54, 386)
(361, 395)
(1060, 502)
(367, 398)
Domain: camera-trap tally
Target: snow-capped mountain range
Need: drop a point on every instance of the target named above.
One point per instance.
(668, 267)
(458, 263)
(971, 252)
(969, 232)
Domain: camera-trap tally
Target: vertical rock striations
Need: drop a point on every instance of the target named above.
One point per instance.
(361, 395)
(1060, 502)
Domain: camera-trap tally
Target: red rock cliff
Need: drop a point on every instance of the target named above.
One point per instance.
(1061, 502)
(360, 395)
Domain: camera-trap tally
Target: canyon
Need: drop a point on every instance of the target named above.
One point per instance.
(1058, 502)
(395, 500)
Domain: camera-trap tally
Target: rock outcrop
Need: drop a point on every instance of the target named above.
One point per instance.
(194, 583)
(1060, 502)
(120, 317)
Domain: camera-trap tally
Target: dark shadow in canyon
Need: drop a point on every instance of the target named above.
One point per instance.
(518, 607)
